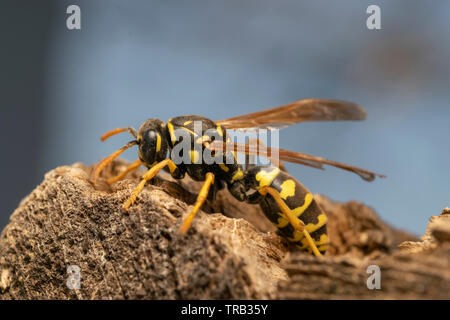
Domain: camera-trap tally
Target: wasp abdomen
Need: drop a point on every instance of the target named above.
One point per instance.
(301, 201)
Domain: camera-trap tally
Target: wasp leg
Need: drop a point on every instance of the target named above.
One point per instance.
(150, 174)
(296, 223)
(113, 132)
(102, 164)
(136, 164)
(198, 204)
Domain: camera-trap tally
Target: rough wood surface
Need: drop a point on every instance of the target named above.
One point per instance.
(231, 252)
(419, 270)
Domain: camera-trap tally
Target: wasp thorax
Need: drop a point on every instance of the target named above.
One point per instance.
(258, 176)
(152, 142)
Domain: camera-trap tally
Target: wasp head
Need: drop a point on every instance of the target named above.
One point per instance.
(152, 142)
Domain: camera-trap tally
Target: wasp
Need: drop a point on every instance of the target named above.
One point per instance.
(284, 200)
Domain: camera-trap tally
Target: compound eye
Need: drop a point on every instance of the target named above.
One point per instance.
(151, 137)
(148, 146)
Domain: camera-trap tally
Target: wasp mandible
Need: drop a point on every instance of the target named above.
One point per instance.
(283, 199)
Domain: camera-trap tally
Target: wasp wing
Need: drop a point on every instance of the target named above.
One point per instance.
(277, 154)
(298, 111)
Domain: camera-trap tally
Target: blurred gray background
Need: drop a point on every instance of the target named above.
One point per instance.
(132, 60)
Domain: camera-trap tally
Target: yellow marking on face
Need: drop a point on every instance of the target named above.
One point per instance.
(219, 130)
(238, 175)
(173, 138)
(224, 167)
(187, 122)
(194, 156)
(299, 210)
(265, 178)
(323, 247)
(158, 142)
(287, 189)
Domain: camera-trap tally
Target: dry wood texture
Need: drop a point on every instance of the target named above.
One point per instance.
(233, 253)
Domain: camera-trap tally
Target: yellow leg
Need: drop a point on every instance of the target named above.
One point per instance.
(136, 164)
(198, 204)
(113, 132)
(146, 177)
(102, 164)
(292, 218)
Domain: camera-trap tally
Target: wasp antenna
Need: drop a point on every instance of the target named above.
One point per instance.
(102, 164)
(111, 133)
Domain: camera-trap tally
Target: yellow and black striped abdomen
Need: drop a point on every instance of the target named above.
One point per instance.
(300, 201)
